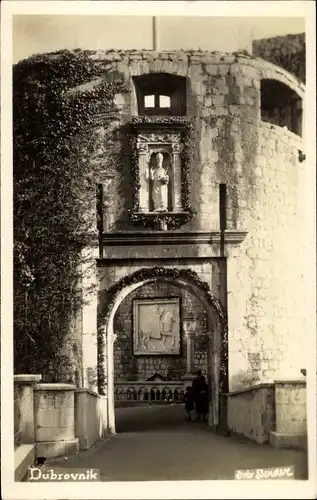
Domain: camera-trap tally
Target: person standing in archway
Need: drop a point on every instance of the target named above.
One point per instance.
(200, 389)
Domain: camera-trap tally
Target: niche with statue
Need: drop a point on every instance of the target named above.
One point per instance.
(161, 179)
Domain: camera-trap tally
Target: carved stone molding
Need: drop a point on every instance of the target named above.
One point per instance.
(142, 146)
(161, 238)
(158, 138)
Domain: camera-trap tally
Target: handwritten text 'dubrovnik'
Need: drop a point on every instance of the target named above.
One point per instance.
(271, 473)
(58, 474)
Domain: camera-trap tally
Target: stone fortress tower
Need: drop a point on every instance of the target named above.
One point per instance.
(228, 129)
(201, 243)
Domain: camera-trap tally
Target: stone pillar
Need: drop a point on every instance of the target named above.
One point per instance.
(111, 338)
(189, 330)
(54, 409)
(177, 179)
(24, 427)
(291, 415)
(143, 177)
(190, 336)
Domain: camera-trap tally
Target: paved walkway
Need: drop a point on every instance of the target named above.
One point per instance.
(157, 443)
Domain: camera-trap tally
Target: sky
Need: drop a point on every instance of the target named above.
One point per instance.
(34, 34)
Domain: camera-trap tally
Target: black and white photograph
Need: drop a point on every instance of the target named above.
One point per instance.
(158, 250)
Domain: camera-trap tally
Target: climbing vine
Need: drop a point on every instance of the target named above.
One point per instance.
(60, 102)
(157, 272)
(176, 220)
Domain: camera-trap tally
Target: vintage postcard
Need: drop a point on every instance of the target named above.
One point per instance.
(158, 214)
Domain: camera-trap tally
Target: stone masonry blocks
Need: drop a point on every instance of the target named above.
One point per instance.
(258, 162)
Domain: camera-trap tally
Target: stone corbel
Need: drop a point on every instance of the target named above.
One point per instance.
(234, 237)
(301, 156)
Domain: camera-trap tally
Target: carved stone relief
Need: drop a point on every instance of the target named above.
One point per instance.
(156, 327)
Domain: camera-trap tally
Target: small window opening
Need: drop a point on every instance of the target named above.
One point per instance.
(165, 101)
(149, 101)
(161, 94)
(280, 105)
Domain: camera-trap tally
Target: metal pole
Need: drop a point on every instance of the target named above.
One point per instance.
(154, 24)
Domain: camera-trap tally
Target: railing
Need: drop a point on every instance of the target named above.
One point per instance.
(148, 392)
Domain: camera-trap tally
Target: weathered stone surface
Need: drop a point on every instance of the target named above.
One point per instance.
(212, 69)
(258, 162)
(251, 413)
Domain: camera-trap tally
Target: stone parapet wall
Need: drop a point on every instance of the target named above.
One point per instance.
(291, 415)
(91, 417)
(185, 63)
(274, 413)
(291, 404)
(55, 420)
(24, 417)
(251, 412)
(145, 392)
(54, 410)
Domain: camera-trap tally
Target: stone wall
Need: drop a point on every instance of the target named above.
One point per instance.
(54, 409)
(130, 367)
(54, 420)
(259, 164)
(90, 417)
(291, 407)
(251, 412)
(258, 273)
(272, 302)
(291, 415)
(223, 101)
(285, 51)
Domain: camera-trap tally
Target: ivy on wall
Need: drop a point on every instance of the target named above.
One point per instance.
(175, 220)
(58, 101)
(188, 276)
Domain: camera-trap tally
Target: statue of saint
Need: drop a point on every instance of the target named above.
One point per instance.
(160, 185)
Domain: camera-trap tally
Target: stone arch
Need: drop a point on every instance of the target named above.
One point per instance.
(217, 328)
(281, 105)
(271, 71)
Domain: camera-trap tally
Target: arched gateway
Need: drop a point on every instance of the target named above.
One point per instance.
(217, 331)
